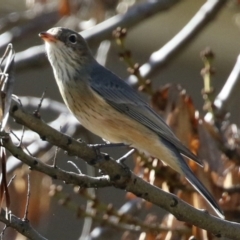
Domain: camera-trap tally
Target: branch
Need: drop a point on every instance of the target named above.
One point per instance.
(35, 145)
(160, 58)
(69, 144)
(132, 17)
(24, 227)
(36, 55)
(122, 178)
(229, 91)
(56, 173)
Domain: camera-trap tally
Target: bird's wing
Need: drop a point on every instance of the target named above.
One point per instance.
(127, 101)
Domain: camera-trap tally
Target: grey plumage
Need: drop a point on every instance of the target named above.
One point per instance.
(102, 102)
(126, 100)
(193, 180)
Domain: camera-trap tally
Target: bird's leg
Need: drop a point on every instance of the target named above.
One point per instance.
(122, 159)
(97, 147)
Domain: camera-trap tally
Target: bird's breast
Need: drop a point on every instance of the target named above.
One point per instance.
(96, 115)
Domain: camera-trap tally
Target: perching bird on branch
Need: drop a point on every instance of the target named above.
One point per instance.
(110, 108)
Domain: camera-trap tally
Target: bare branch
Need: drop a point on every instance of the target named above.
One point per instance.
(6, 84)
(160, 58)
(37, 111)
(229, 91)
(22, 226)
(56, 173)
(120, 176)
(25, 218)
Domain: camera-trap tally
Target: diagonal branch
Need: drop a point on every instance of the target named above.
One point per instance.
(56, 173)
(160, 58)
(73, 147)
(122, 178)
(22, 226)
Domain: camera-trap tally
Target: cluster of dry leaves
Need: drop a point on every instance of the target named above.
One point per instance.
(217, 147)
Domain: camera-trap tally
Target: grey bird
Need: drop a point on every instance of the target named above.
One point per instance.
(110, 108)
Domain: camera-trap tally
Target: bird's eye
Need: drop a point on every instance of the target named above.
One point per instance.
(72, 38)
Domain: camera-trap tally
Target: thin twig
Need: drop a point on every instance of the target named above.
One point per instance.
(3, 231)
(74, 164)
(55, 154)
(4, 185)
(20, 141)
(88, 221)
(90, 194)
(11, 180)
(123, 158)
(8, 49)
(55, 157)
(23, 227)
(6, 84)
(47, 105)
(25, 218)
(17, 99)
(36, 112)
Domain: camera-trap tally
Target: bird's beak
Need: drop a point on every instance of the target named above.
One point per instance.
(47, 37)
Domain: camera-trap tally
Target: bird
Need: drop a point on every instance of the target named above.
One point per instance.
(110, 108)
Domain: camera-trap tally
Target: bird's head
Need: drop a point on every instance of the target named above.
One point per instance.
(66, 49)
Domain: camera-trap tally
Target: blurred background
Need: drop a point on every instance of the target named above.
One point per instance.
(20, 23)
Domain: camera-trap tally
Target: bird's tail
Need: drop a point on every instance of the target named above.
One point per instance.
(193, 179)
(200, 187)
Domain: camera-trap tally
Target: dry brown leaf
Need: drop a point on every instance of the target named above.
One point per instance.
(176, 106)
